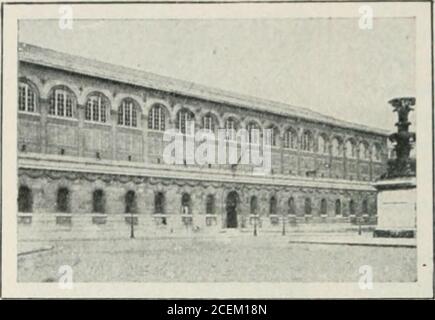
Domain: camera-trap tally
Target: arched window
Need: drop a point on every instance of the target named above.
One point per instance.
(364, 206)
(98, 201)
(363, 151)
(186, 203)
(272, 205)
(96, 108)
(25, 199)
(350, 149)
(338, 207)
(291, 206)
(271, 135)
(209, 122)
(254, 205)
(159, 203)
(127, 113)
(307, 141)
(230, 129)
(352, 207)
(26, 98)
(290, 139)
(323, 207)
(376, 152)
(184, 121)
(308, 208)
(156, 118)
(130, 202)
(337, 148)
(62, 200)
(61, 102)
(253, 133)
(210, 207)
(323, 146)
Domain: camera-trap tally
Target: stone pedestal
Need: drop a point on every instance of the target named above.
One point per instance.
(396, 204)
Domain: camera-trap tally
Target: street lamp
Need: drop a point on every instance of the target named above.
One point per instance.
(131, 225)
(283, 223)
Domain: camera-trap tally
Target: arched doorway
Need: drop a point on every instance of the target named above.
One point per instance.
(231, 207)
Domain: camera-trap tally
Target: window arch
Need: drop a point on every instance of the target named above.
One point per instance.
(272, 205)
(127, 113)
(62, 102)
(323, 207)
(157, 117)
(323, 145)
(183, 123)
(231, 126)
(338, 207)
(63, 200)
(98, 201)
(307, 141)
(254, 132)
(307, 209)
(97, 107)
(337, 147)
(291, 206)
(352, 207)
(350, 149)
(210, 204)
(291, 139)
(130, 202)
(25, 199)
(186, 203)
(159, 203)
(254, 205)
(26, 97)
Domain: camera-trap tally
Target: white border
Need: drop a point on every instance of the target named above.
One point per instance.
(422, 288)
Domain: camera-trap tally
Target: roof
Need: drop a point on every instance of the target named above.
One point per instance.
(94, 68)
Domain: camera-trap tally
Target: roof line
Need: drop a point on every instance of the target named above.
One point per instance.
(64, 61)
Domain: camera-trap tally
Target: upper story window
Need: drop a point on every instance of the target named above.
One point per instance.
(291, 139)
(271, 135)
(127, 113)
(376, 152)
(230, 128)
(208, 122)
(184, 122)
(61, 103)
(350, 149)
(253, 133)
(336, 147)
(96, 108)
(156, 118)
(363, 151)
(323, 145)
(307, 141)
(26, 98)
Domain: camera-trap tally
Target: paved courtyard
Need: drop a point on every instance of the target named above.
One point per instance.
(222, 258)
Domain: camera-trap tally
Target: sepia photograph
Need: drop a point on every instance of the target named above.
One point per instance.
(218, 153)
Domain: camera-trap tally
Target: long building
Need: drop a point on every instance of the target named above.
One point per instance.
(90, 155)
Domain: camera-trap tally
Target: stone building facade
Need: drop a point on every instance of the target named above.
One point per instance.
(90, 146)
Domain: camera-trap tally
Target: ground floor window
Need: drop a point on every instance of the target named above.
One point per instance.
(323, 206)
(210, 207)
(63, 200)
(308, 208)
(159, 203)
(364, 207)
(254, 205)
(25, 200)
(291, 205)
(272, 205)
(337, 207)
(98, 200)
(186, 203)
(130, 202)
(351, 207)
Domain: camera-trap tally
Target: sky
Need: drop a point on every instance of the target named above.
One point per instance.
(328, 65)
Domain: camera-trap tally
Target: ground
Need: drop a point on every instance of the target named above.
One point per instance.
(221, 258)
